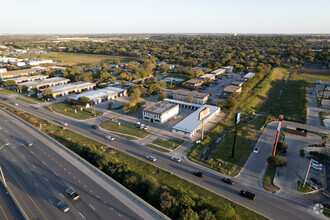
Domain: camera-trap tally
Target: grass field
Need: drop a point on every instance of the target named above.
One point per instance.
(74, 140)
(301, 188)
(70, 110)
(268, 181)
(170, 144)
(157, 148)
(73, 59)
(127, 137)
(8, 92)
(124, 129)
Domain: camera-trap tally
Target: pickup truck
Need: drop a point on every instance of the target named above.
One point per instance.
(72, 194)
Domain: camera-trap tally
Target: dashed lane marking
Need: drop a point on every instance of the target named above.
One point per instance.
(91, 207)
(55, 173)
(51, 201)
(81, 215)
(36, 184)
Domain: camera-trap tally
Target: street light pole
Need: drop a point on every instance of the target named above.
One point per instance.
(3, 177)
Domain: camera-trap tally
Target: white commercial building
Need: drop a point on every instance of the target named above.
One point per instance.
(190, 125)
(249, 75)
(27, 78)
(160, 112)
(55, 81)
(66, 89)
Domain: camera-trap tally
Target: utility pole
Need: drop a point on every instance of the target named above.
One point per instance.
(309, 167)
(203, 128)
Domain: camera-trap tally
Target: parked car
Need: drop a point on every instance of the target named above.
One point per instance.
(138, 124)
(29, 143)
(151, 158)
(176, 159)
(37, 107)
(316, 181)
(109, 138)
(247, 194)
(317, 167)
(16, 104)
(142, 126)
(5, 98)
(228, 181)
(256, 150)
(146, 127)
(317, 163)
(95, 126)
(312, 184)
(63, 206)
(199, 174)
(64, 123)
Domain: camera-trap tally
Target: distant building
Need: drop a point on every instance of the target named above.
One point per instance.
(229, 69)
(249, 75)
(27, 78)
(3, 70)
(218, 72)
(194, 83)
(196, 97)
(211, 76)
(160, 112)
(36, 62)
(40, 84)
(229, 90)
(182, 104)
(15, 73)
(69, 88)
(238, 82)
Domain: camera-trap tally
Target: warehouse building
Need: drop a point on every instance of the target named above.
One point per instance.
(192, 124)
(26, 78)
(189, 96)
(160, 112)
(15, 73)
(249, 75)
(194, 83)
(218, 72)
(41, 84)
(229, 90)
(97, 96)
(229, 69)
(211, 76)
(66, 89)
(238, 82)
(182, 104)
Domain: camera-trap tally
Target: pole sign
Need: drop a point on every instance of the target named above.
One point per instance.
(205, 112)
(238, 117)
(278, 130)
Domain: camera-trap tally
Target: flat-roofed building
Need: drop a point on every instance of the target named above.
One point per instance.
(66, 89)
(15, 73)
(190, 96)
(97, 96)
(27, 78)
(229, 69)
(249, 75)
(211, 76)
(194, 83)
(3, 70)
(40, 84)
(229, 90)
(191, 124)
(160, 112)
(219, 71)
(238, 82)
(182, 104)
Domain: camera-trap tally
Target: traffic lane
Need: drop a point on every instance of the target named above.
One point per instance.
(8, 209)
(117, 206)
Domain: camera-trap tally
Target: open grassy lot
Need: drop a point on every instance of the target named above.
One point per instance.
(268, 181)
(170, 144)
(157, 148)
(73, 59)
(70, 110)
(179, 76)
(96, 152)
(127, 137)
(124, 129)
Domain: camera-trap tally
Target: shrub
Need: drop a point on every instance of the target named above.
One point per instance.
(276, 161)
(281, 145)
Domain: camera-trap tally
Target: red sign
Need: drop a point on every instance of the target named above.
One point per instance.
(205, 112)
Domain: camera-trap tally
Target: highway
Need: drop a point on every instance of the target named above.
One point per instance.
(8, 209)
(38, 177)
(266, 204)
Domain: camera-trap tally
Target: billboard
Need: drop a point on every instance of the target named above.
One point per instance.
(205, 112)
(238, 117)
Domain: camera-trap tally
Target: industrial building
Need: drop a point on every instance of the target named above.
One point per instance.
(40, 84)
(97, 96)
(238, 82)
(160, 112)
(192, 124)
(186, 105)
(27, 78)
(249, 75)
(194, 83)
(15, 73)
(218, 72)
(229, 90)
(211, 76)
(229, 69)
(189, 96)
(66, 89)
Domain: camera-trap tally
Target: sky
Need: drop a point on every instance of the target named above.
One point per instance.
(169, 16)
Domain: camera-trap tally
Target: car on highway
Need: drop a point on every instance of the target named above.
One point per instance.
(228, 181)
(176, 159)
(199, 174)
(64, 123)
(72, 194)
(151, 158)
(29, 143)
(247, 194)
(256, 150)
(109, 138)
(63, 206)
(95, 126)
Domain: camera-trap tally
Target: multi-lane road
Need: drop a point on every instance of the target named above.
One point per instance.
(38, 177)
(266, 204)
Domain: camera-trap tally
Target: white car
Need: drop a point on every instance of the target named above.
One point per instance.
(109, 138)
(256, 150)
(16, 104)
(64, 123)
(176, 159)
(317, 163)
(146, 127)
(316, 167)
(151, 158)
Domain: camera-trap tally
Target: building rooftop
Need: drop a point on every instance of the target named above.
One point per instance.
(232, 89)
(19, 72)
(159, 107)
(49, 80)
(70, 86)
(27, 77)
(207, 76)
(194, 80)
(182, 102)
(191, 122)
(100, 93)
(249, 75)
(191, 93)
(218, 70)
(228, 67)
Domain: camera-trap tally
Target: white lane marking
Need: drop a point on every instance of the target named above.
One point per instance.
(31, 152)
(85, 186)
(51, 201)
(91, 191)
(60, 165)
(34, 166)
(23, 171)
(56, 174)
(79, 181)
(46, 179)
(55, 161)
(13, 159)
(91, 207)
(111, 208)
(74, 177)
(69, 173)
(97, 196)
(119, 215)
(4, 150)
(36, 184)
(62, 195)
(52, 158)
(41, 149)
(64, 168)
(105, 203)
(22, 155)
(43, 162)
(48, 155)
(81, 215)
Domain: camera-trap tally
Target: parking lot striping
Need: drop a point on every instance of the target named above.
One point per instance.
(91, 191)
(13, 159)
(64, 168)
(46, 179)
(62, 195)
(81, 215)
(23, 156)
(111, 208)
(36, 184)
(60, 165)
(69, 173)
(51, 201)
(55, 173)
(31, 152)
(79, 181)
(91, 207)
(74, 177)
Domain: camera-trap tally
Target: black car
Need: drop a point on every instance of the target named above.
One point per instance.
(228, 181)
(95, 126)
(29, 143)
(247, 194)
(315, 181)
(199, 174)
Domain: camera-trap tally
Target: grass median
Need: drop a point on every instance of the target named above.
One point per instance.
(124, 129)
(169, 193)
(170, 144)
(75, 111)
(268, 181)
(158, 148)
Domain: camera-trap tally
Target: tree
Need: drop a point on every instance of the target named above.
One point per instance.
(47, 92)
(86, 77)
(133, 66)
(83, 101)
(162, 95)
(206, 214)
(118, 70)
(281, 146)
(134, 92)
(9, 83)
(189, 214)
(276, 161)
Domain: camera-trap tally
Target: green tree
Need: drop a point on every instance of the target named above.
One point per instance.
(47, 92)
(276, 161)
(118, 70)
(9, 83)
(162, 95)
(134, 92)
(281, 146)
(83, 101)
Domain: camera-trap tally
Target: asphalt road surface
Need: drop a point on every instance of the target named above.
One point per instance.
(267, 204)
(8, 209)
(38, 177)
